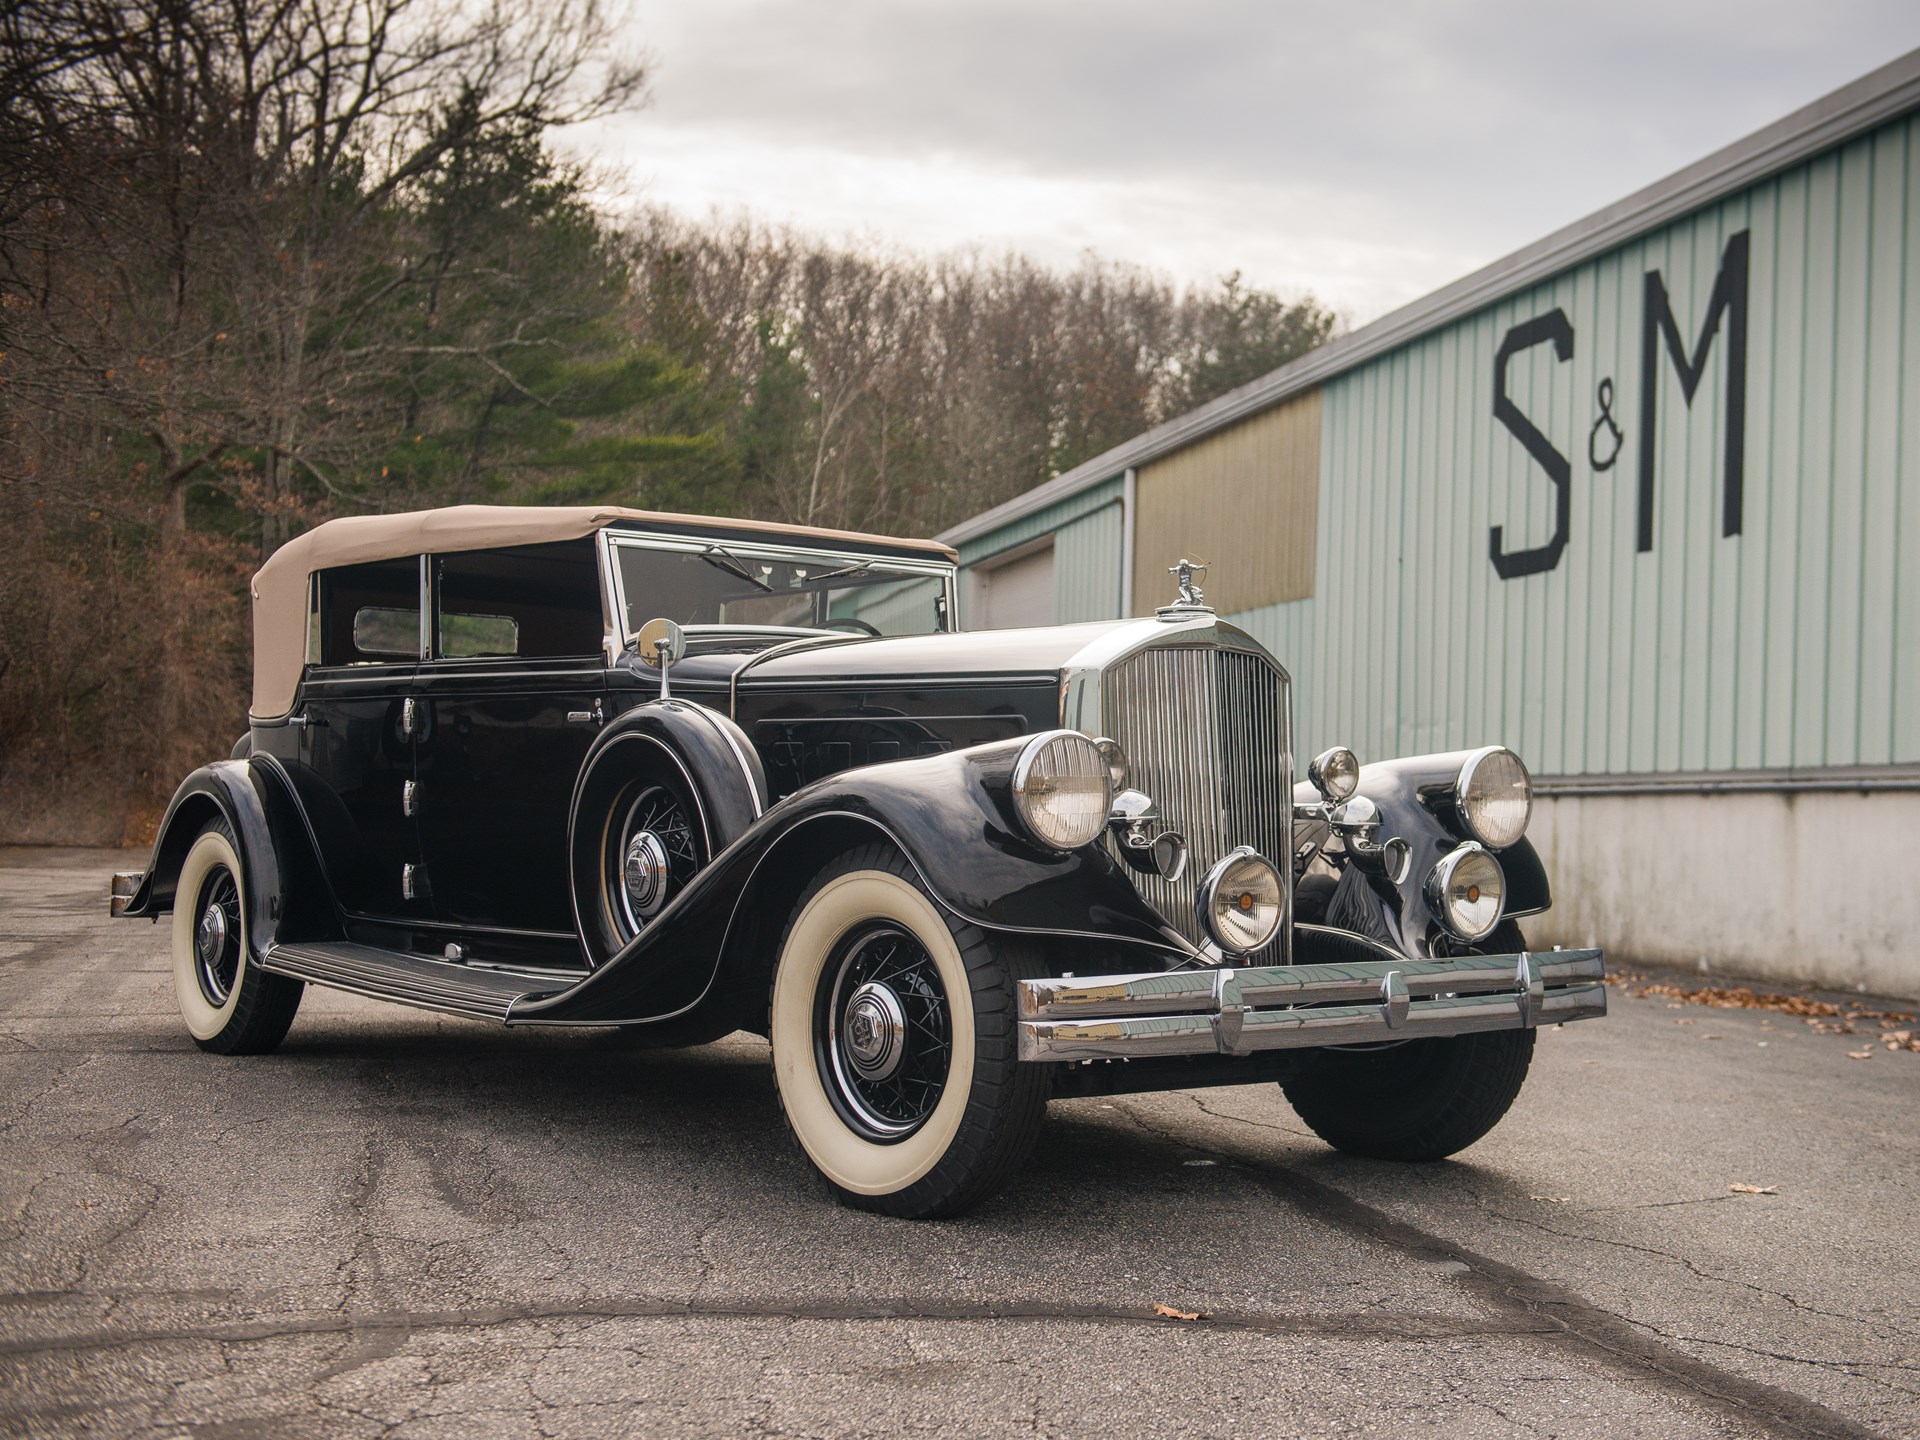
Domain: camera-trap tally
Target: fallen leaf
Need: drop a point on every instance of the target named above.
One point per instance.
(1551, 1199)
(1739, 1189)
(1713, 1037)
(1859, 1054)
(1741, 998)
(1171, 1313)
(1686, 1022)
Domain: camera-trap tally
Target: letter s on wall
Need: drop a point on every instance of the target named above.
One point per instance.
(1553, 326)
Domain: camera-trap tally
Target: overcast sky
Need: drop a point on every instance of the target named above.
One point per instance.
(1366, 152)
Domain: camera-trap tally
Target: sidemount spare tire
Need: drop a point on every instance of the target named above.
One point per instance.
(663, 789)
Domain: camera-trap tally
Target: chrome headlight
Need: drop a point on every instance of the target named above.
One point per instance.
(1116, 760)
(1467, 892)
(1494, 796)
(1240, 902)
(1335, 773)
(1062, 789)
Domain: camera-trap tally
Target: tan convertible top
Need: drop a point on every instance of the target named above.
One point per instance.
(280, 586)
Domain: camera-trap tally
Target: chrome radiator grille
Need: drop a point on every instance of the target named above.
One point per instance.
(1205, 734)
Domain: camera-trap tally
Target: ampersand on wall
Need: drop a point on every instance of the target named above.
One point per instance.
(1615, 436)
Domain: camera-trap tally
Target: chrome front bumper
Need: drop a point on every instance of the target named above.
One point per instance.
(1239, 1012)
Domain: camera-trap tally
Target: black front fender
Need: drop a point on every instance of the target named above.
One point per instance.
(951, 815)
(1415, 794)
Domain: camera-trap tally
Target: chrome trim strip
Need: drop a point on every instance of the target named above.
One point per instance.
(897, 682)
(802, 643)
(589, 668)
(1220, 1011)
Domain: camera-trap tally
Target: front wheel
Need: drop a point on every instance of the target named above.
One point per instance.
(894, 1045)
(230, 1005)
(1422, 1100)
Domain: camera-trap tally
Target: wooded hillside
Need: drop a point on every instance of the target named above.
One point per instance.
(267, 261)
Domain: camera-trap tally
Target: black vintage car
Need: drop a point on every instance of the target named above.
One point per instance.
(601, 767)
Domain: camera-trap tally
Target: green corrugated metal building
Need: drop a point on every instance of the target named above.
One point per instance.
(1641, 501)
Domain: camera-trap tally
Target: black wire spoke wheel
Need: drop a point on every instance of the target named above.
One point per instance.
(883, 1032)
(217, 936)
(653, 855)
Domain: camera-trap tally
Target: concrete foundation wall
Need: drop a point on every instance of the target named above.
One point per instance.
(1808, 886)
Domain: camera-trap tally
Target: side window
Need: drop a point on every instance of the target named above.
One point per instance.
(529, 601)
(365, 614)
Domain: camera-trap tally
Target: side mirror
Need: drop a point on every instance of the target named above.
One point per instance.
(661, 642)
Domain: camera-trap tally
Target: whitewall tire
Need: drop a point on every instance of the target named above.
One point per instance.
(892, 1027)
(229, 1005)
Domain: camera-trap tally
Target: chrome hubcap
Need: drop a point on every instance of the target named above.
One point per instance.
(651, 856)
(883, 1036)
(216, 938)
(644, 872)
(210, 936)
(876, 1031)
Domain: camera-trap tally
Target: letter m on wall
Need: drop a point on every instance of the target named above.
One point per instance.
(1729, 299)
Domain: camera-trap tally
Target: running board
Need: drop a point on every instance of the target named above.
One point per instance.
(408, 979)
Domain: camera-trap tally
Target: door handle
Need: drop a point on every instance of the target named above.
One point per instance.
(587, 717)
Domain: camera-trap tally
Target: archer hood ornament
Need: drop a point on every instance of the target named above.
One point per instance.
(1191, 598)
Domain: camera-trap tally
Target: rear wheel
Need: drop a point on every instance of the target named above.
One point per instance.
(231, 1006)
(1422, 1100)
(894, 1048)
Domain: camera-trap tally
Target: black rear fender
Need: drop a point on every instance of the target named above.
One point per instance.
(287, 895)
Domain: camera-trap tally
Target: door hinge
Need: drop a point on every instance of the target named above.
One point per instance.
(409, 797)
(409, 881)
(409, 710)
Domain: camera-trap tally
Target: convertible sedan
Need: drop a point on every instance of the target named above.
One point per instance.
(578, 766)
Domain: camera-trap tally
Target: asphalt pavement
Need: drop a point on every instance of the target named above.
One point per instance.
(402, 1225)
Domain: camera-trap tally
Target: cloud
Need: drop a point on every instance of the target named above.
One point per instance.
(1368, 151)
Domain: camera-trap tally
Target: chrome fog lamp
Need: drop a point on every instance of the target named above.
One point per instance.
(1116, 760)
(1494, 796)
(1467, 892)
(1335, 773)
(1240, 901)
(1062, 789)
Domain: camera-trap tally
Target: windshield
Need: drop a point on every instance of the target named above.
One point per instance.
(717, 584)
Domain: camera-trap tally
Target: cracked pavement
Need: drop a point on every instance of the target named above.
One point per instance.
(413, 1226)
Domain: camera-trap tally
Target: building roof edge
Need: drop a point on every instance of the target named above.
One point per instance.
(1864, 104)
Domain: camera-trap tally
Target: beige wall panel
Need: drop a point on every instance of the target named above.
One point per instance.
(1246, 500)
